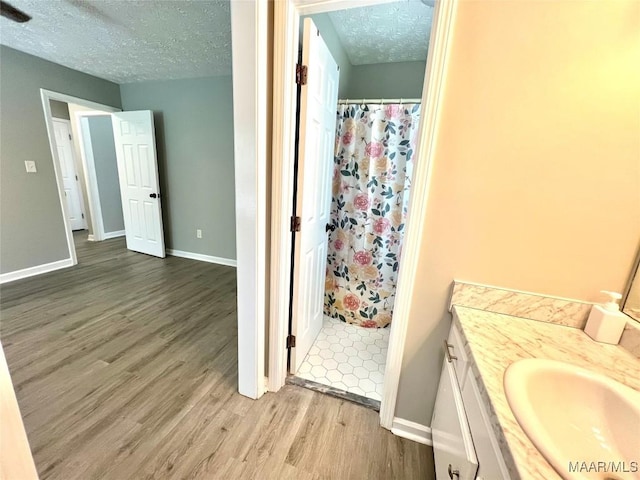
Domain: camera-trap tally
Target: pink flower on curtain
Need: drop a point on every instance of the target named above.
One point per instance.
(362, 258)
(381, 225)
(361, 201)
(393, 111)
(374, 149)
(372, 178)
(351, 302)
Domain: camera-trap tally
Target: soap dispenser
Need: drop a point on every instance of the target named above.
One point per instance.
(606, 322)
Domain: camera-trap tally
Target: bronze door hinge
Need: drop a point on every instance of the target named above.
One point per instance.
(301, 74)
(295, 224)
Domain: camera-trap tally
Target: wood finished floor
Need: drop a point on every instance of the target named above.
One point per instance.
(125, 368)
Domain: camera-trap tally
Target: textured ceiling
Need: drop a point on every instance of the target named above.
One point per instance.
(393, 32)
(126, 40)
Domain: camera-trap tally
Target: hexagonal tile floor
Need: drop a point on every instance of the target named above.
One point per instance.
(348, 357)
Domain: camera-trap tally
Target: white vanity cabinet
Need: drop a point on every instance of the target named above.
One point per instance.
(464, 445)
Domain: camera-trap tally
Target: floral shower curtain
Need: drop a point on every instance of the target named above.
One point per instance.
(371, 182)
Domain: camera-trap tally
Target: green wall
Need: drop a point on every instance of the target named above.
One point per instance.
(379, 80)
(103, 149)
(386, 80)
(31, 222)
(194, 134)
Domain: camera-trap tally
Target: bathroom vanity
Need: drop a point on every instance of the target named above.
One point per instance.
(475, 433)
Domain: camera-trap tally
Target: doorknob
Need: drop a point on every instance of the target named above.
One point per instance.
(154, 195)
(330, 227)
(453, 473)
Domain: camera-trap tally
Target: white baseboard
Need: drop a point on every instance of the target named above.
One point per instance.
(411, 430)
(37, 270)
(117, 233)
(91, 237)
(203, 258)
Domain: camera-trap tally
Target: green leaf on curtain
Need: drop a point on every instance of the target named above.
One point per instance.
(345, 173)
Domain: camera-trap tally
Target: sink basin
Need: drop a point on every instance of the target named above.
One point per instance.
(575, 417)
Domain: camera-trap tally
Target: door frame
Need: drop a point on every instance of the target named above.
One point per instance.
(45, 96)
(83, 203)
(286, 29)
(89, 167)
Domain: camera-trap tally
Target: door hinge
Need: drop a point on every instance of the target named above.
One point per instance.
(295, 224)
(301, 74)
(291, 341)
(76, 178)
(69, 136)
(82, 215)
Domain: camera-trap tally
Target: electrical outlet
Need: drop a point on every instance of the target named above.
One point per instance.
(30, 165)
(198, 233)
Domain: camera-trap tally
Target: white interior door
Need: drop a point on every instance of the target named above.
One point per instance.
(318, 104)
(135, 141)
(72, 191)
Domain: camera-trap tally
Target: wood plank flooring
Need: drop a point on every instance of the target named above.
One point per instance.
(125, 368)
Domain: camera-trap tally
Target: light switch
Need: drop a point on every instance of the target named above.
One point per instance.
(30, 165)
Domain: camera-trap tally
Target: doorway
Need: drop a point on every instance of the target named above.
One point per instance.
(118, 173)
(287, 15)
(353, 187)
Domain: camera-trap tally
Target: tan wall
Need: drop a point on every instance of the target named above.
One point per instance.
(536, 182)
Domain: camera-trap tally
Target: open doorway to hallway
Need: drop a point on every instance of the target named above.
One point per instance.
(88, 166)
(117, 174)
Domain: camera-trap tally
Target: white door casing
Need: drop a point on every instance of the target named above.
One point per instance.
(318, 103)
(71, 187)
(135, 142)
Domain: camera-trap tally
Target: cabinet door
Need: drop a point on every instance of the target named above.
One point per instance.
(453, 451)
(487, 448)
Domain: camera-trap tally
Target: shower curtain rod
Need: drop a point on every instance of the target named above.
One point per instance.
(380, 101)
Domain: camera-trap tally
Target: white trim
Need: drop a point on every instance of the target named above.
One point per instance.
(91, 238)
(201, 257)
(286, 26)
(46, 96)
(89, 168)
(286, 22)
(309, 7)
(37, 270)
(251, 81)
(411, 430)
(114, 234)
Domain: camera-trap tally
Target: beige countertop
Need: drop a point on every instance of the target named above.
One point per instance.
(493, 341)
